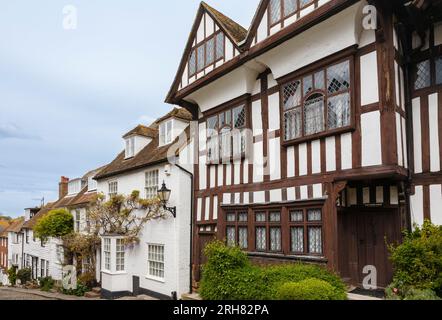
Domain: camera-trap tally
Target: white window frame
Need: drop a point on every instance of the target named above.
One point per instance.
(151, 184)
(77, 220)
(156, 262)
(119, 255)
(107, 251)
(112, 191)
(130, 147)
(166, 132)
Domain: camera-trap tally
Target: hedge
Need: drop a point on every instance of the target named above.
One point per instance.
(229, 275)
(310, 289)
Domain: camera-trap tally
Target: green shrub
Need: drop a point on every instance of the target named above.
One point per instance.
(79, 292)
(418, 260)
(46, 283)
(309, 289)
(12, 275)
(229, 275)
(24, 275)
(56, 223)
(410, 293)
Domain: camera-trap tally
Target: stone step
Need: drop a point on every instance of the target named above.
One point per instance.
(92, 295)
(96, 290)
(191, 297)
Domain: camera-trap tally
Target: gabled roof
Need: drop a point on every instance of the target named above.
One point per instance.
(151, 154)
(177, 113)
(263, 4)
(16, 225)
(234, 31)
(142, 131)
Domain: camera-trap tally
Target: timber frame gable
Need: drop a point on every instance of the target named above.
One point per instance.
(232, 36)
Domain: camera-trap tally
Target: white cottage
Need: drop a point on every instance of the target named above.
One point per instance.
(160, 264)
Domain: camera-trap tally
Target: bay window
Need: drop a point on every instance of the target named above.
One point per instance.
(113, 253)
(302, 227)
(227, 135)
(206, 54)
(107, 253)
(317, 102)
(425, 75)
(119, 253)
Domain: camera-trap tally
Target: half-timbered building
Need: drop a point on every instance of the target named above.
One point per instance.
(319, 129)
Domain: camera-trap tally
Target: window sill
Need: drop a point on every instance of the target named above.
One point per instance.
(116, 273)
(160, 280)
(317, 136)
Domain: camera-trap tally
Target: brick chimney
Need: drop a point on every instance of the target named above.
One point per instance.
(63, 187)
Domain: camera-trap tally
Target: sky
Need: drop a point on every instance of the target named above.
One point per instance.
(68, 96)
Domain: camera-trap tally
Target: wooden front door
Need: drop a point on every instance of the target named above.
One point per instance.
(364, 235)
(204, 239)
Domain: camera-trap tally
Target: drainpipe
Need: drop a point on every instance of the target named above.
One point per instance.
(191, 223)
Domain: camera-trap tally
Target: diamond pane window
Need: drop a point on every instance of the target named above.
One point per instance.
(292, 124)
(314, 215)
(212, 125)
(200, 58)
(210, 51)
(239, 117)
(297, 239)
(275, 239)
(219, 46)
(242, 217)
(314, 114)
(307, 84)
(231, 236)
(290, 6)
(338, 77)
(297, 216)
(261, 239)
(192, 63)
(292, 95)
(212, 149)
(423, 75)
(315, 240)
(231, 217)
(260, 217)
(439, 70)
(225, 143)
(339, 111)
(242, 238)
(275, 11)
(275, 217)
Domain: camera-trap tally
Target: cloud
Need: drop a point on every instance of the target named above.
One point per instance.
(12, 131)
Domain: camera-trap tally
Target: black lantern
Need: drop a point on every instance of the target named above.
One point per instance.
(164, 195)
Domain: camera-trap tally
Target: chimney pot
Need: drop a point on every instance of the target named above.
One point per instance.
(63, 187)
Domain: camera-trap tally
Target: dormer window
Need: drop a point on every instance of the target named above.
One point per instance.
(74, 186)
(283, 9)
(91, 184)
(130, 147)
(166, 132)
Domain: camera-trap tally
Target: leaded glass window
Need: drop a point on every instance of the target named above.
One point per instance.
(200, 58)
(423, 75)
(314, 215)
(297, 216)
(275, 239)
(261, 239)
(275, 217)
(297, 239)
(339, 111)
(210, 51)
(219, 46)
(231, 217)
(338, 77)
(192, 63)
(242, 217)
(242, 237)
(439, 70)
(290, 6)
(260, 217)
(275, 11)
(314, 114)
(305, 2)
(231, 236)
(308, 101)
(315, 240)
(225, 143)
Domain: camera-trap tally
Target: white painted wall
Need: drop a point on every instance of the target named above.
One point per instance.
(369, 76)
(371, 139)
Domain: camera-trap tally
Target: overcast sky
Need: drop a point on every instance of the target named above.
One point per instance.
(67, 96)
